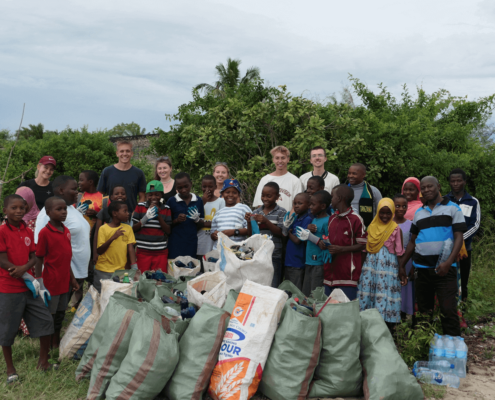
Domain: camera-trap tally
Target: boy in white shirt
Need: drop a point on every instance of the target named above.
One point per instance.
(317, 159)
(289, 184)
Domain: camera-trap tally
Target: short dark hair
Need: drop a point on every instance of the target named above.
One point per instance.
(182, 175)
(91, 176)
(49, 202)
(115, 206)
(360, 165)
(10, 198)
(399, 196)
(458, 171)
(318, 179)
(273, 185)
(206, 178)
(346, 192)
(324, 197)
(317, 148)
(117, 186)
(306, 195)
(61, 181)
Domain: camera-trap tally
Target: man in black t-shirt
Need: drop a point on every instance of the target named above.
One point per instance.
(125, 174)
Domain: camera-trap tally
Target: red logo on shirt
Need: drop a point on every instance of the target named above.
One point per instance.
(68, 236)
(27, 241)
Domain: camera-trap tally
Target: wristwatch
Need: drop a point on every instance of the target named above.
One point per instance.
(237, 232)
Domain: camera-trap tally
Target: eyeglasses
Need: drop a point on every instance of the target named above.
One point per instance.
(163, 158)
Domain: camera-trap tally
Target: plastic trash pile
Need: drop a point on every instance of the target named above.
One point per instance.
(243, 252)
(447, 362)
(189, 265)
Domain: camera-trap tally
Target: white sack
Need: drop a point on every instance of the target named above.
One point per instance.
(109, 287)
(210, 266)
(216, 289)
(177, 272)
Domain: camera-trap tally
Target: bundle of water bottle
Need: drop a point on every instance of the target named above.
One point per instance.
(186, 311)
(447, 362)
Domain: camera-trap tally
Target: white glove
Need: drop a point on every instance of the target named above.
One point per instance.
(134, 266)
(150, 214)
(289, 219)
(82, 208)
(305, 234)
(32, 284)
(44, 294)
(193, 213)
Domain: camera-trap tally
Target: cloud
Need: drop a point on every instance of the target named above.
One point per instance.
(102, 63)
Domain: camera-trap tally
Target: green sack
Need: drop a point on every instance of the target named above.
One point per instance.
(293, 357)
(199, 348)
(319, 294)
(339, 372)
(176, 323)
(182, 283)
(118, 307)
(289, 286)
(230, 301)
(113, 348)
(386, 376)
(146, 287)
(149, 363)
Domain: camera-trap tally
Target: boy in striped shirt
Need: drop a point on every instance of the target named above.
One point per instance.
(152, 222)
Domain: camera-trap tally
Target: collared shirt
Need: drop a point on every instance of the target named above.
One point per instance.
(230, 218)
(151, 235)
(471, 210)
(276, 217)
(345, 229)
(18, 243)
(55, 247)
(433, 228)
(79, 233)
(183, 240)
(295, 254)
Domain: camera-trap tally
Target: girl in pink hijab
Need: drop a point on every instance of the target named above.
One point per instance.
(412, 191)
(32, 209)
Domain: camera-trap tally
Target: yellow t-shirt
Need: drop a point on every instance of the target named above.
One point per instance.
(116, 255)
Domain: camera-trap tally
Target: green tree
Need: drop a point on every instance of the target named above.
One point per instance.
(132, 129)
(396, 138)
(33, 132)
(229, 75)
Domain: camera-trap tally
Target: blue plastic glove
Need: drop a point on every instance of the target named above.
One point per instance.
(82, 208)
(327, 257)
(45, 294)
(289, 219)
(32, 284)
(255, 229)
(193, 213)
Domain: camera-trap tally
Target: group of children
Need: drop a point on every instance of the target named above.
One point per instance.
(322, 241)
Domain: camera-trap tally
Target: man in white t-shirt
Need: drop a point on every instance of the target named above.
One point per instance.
(289, 184)
(318, 159)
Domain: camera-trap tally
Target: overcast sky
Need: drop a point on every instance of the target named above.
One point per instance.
(100, 63)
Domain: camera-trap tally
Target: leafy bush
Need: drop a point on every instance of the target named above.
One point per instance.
(427, 135)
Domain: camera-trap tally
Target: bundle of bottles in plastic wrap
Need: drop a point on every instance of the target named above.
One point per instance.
(447, 362)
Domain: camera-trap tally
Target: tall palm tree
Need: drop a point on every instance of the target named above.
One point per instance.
(229, 76)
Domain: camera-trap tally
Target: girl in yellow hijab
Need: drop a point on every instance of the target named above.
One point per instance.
(379, 285)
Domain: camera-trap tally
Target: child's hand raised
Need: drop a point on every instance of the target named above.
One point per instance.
(119, 232)
(258, 218)
(312, 228)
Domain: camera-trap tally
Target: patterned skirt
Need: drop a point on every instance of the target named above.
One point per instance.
(379, 285)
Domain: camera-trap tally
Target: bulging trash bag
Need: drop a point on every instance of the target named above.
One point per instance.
(214, 285)
(293, 357)
(210, 266)
(151, 358)
(339, 372)
(259, 269)
(199, 347)
(109, 287)
(76, 339)
(247, 342)
(386, 376)
(177, 272)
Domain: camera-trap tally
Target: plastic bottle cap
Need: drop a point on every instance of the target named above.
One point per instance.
(296, 299)
(126, 274)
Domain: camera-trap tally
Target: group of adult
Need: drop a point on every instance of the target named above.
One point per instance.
(365, 203)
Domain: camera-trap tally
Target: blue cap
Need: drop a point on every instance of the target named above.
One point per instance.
(228, 183)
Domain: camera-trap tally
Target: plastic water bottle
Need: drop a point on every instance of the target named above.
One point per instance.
(460, 358)
(438, 378)
(432, 346)
(449, 349)
(442, 366)
(172, 312)
(439, 349)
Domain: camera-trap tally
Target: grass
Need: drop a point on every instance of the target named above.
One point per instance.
(433, 391)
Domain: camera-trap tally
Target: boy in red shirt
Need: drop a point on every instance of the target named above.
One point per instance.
(347, 241)
(54, 251)
(16, 300)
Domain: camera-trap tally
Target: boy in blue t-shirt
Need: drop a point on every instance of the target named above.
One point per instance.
(316, 256)
(295, 254)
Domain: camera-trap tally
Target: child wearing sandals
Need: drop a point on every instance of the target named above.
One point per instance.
(379, 285)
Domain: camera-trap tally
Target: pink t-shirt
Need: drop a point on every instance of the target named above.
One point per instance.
(394, 244)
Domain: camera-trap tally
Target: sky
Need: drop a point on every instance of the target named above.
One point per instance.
(101, 63)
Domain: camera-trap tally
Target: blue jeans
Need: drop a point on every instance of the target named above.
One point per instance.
(277, 272)
(349, 291)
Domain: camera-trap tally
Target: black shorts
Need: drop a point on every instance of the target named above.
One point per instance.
(17, 306)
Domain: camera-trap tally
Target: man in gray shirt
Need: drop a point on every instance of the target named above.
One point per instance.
(366, 197)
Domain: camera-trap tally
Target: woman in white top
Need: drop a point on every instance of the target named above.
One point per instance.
(221, 172)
